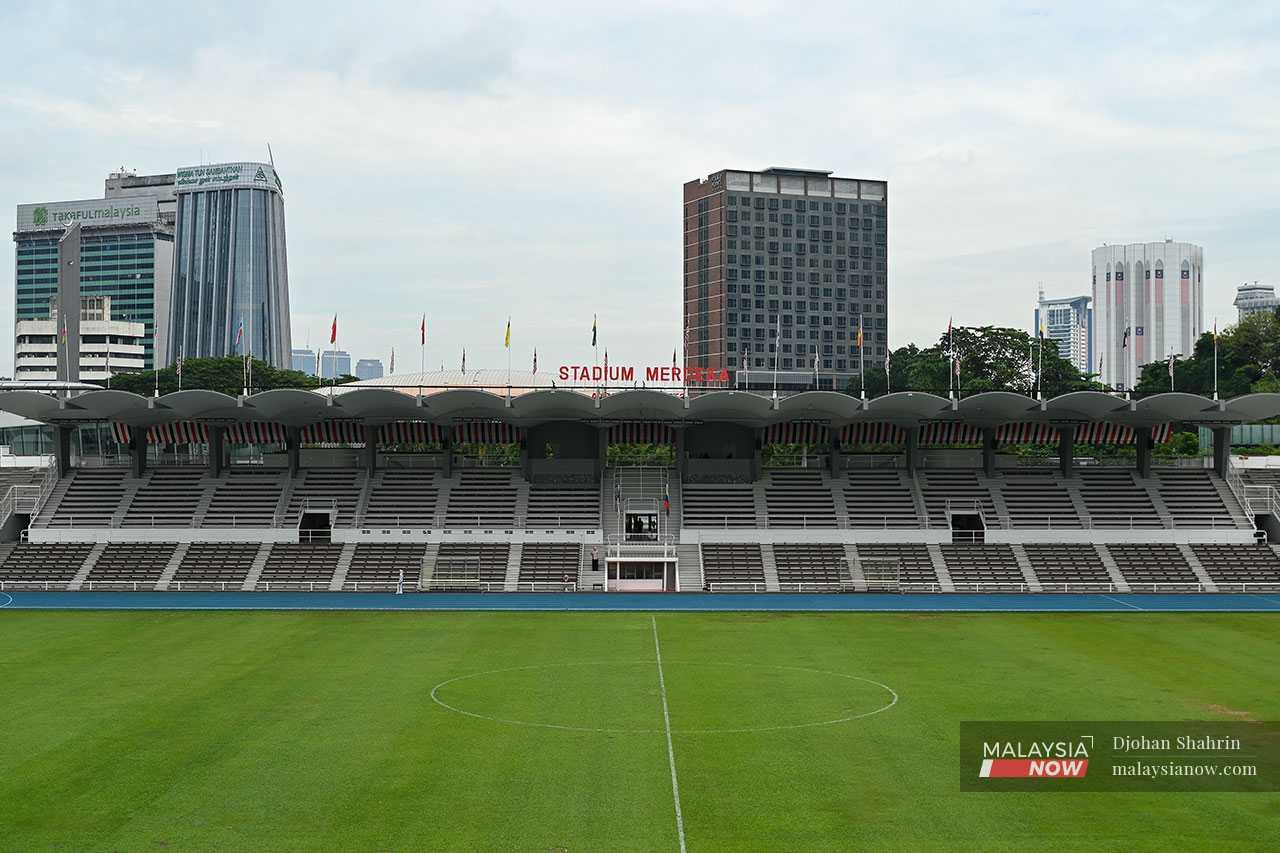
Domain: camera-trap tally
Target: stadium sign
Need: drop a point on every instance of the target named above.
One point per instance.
(650, 373)
(88, 213)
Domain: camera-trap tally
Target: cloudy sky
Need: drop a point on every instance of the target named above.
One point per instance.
(474, 160)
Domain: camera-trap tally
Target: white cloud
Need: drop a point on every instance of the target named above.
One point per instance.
(506, 158)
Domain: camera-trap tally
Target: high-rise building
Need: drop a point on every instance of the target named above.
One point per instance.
(1253, 298)
(304, 360)
(125, 248)
(230, 270)
(1068, 323)
(107, 346)
(369, 368)
(793, 256)
(1148, 304)
(335, 363)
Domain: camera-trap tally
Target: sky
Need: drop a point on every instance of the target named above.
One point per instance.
(474, 161)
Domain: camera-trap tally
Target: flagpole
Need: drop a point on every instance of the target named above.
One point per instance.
(1215, 359)
(862, 372)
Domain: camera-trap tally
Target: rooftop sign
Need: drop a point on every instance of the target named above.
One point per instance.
(57, 215)
(227, 176)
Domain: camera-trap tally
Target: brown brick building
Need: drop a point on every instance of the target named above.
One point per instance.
(794, 255)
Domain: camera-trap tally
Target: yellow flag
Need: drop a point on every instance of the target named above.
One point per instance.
(506, 342)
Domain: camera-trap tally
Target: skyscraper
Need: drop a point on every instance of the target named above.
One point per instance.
(369, 368)
(125, 253)
(230, 291)
(1148, 304)
(794, 256)
(1068, 322)
(1252, 298)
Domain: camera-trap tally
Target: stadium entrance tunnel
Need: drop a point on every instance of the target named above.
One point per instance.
(706, 697)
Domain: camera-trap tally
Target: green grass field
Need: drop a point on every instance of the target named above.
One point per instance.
(318, 731)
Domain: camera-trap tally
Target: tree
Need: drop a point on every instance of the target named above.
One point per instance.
(1248, 361)
(216, 374)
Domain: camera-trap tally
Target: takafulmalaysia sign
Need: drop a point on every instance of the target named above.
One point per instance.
(629, 374)
(89, 212)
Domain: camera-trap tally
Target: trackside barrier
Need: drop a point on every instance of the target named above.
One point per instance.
(205, 586)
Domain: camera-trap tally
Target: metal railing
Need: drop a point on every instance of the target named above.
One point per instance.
(665, 547)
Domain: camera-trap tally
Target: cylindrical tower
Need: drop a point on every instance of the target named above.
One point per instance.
(1148, 304)
(230, 292)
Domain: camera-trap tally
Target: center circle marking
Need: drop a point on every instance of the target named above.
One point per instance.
(890, 693)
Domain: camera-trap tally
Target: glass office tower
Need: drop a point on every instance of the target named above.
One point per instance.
(230, 293)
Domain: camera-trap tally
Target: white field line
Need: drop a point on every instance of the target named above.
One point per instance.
(666, 720)
(9, 599)
(1125, 603)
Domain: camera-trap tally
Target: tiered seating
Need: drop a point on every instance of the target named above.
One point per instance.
(92, 497)
(719, 505)
(310, 564)
(246, 497)
(378, 566)
(879, 499)
(1142, 565)
(131, 565)
(810, 563)
(1239, 563)
(1193, 500)
(797, 497)
(1073, 565)
(321, 487)
(403, 499)
(168, 498)
(564, 506)
(1261, 476)
(485, 561)
(982, 564)
(215, 565)
(913, 561)
(10, 477)
(544, 562)
(1038, 499)
(1114, 500)
(483, 497)
(55, 565)
(959, 486)
(722, 563)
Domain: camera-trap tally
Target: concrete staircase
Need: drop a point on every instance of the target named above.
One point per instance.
(836, 485)
(255, 569)
(587, 579)
(917, 498)
(770, 565)
(343, 566)
(854, 561)
(87, 566)
(522, 500)
(1028, 571)
(209, 485)
(1072, 486)
(171, 568)
(993, 487)
(428, 566)
(1196, 566)
(689, 568)
(512, 580)
(1113, 570)
(1152, 487)
(940, 568)
(761, 502)
(50, 505)
(444, 487)
(131, 486)
(286, 494)
(362, 505)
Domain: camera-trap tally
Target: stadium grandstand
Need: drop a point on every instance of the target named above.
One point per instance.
(457, 482)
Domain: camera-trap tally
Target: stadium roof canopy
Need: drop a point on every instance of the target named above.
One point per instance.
(390, 403)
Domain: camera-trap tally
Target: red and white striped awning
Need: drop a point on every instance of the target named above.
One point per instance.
(485, 432)
(179, 432)
(949, 432)
(641, 432)
(410, 432)
(333, 432)
(256, 432)
(798, 432)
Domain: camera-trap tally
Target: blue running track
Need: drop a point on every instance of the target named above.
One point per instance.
(686, 602)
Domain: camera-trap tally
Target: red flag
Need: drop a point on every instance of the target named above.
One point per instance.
(333, 332)
(424, 330)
